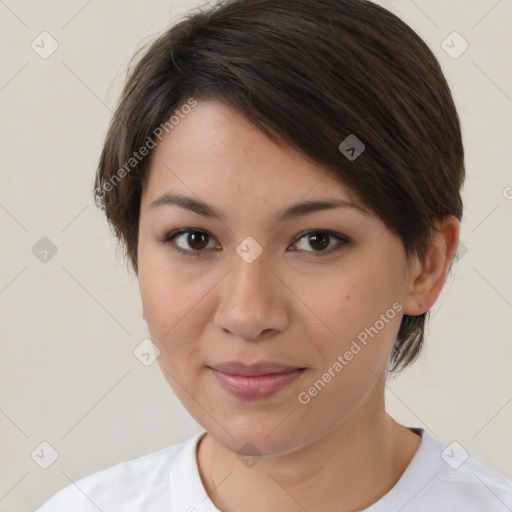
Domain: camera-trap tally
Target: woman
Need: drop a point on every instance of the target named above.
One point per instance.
(285, 176)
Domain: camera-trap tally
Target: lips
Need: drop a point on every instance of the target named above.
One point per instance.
(264, 368)
(254, 381)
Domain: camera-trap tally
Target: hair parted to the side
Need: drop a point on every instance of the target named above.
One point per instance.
(308, 73)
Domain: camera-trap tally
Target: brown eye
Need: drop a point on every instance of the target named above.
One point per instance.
(189, 241)
(197, 240)
(321, 242)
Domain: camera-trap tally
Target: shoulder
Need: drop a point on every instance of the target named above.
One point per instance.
(456, 480)
(477, 486)
(126, 486)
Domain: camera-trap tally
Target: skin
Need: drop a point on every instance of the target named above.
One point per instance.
(341, 451)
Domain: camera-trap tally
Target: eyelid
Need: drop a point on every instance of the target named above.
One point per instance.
(168, 240)
(329, 232)
(342, 241)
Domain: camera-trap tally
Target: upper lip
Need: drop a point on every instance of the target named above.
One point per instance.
(263, 368)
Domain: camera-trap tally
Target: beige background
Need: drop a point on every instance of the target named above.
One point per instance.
(69, 326)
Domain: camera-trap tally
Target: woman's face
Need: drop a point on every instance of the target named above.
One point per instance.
(318, 289)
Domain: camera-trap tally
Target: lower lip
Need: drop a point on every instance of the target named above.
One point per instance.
(259, 386)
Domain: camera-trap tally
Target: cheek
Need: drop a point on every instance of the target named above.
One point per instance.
(162, 288)
(174, 305)
(162, 294)
(169, 313)
(157, 298)
(172, 324)
(358, 318)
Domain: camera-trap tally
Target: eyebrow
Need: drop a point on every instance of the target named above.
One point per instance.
(295, 210)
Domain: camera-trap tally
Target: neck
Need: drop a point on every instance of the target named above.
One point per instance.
(348, 469)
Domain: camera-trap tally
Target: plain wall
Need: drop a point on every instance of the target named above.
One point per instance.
(69, 325)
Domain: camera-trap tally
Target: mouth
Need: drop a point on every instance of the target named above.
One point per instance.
(254, 381)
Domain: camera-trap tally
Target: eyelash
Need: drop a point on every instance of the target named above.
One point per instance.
(168, 240)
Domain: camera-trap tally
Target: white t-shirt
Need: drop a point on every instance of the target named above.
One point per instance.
(439, 478)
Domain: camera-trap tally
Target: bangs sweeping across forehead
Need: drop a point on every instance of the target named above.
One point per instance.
(308, 73)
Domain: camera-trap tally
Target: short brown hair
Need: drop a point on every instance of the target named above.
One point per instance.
(308, 73)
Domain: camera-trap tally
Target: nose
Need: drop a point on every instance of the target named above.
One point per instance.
(252, 304)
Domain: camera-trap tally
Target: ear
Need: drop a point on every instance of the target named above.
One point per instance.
(427, 275)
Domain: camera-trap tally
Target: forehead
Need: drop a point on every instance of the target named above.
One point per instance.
(214, 149)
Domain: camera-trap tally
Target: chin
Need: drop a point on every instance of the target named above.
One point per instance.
(258, 440)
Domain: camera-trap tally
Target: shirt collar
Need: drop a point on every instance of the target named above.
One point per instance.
(187, 492)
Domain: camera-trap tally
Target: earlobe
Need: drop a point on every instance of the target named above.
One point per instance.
(428, 275)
